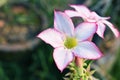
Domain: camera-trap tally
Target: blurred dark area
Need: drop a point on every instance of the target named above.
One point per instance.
(25, 57)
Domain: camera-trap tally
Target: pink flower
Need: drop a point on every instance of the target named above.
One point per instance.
(69, 42)
(90, 16)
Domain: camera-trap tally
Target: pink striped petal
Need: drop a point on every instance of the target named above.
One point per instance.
(52, 37)
(63, 23)
(85, 30)
(72, 13)
(111, 26)
(97, 17)
(62, 57)
(87, 50)
(83, 10)
(101, 29)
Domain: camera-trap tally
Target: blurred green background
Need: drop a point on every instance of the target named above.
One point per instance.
(25, 57)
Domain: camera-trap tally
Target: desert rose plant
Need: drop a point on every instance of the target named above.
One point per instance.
(73, 45)
(91, 16)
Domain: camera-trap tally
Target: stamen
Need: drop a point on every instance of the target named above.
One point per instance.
(70, 42)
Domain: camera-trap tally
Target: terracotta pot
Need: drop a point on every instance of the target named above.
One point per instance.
(19, 26)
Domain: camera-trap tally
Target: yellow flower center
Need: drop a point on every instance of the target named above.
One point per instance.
(70, 42)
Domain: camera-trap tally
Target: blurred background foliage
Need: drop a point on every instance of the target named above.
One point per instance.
(34, 61)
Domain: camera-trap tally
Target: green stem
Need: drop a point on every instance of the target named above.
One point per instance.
(79, 64)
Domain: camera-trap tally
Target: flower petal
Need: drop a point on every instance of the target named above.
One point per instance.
(72, 13)
(97, 17)
(101, 29)
(87, 50)
(85, 30)
(63, 23)
(62, 57)
(83, 10)
(52, 37)
(111, 26)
